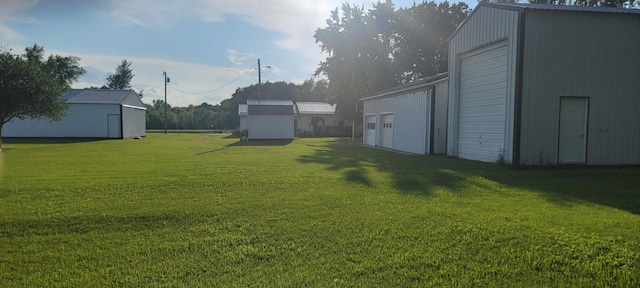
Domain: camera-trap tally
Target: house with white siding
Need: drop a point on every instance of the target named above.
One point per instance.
(545, 85)
(92, 113)
(411, 117)
(315, 119)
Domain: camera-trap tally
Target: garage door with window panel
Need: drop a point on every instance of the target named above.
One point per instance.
(386, 131)
(482, 106)
(370, 130)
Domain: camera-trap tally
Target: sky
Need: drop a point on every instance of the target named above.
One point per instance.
(208, 48)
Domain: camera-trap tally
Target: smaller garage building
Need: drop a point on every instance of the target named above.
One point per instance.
(270, 119)
(92, 113)
(410, 118)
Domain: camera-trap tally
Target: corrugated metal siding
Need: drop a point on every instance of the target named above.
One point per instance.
(412, 122)
(82, 120)
(484, 27)
(133, 122)
(270, 127)
(440, 117)
(577, 54)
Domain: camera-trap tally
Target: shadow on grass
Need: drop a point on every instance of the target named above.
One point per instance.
(239, 143)
(424, 174)
(278, 142)
(49, 140)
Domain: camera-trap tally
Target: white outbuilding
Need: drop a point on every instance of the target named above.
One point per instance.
(410, 118)
(92, 113)
(270, 119)
(545, 85)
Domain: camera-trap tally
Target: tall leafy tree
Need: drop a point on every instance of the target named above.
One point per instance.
(122, 78)
(351, 52)
(31, 86)
(421, 43)
(373, 50)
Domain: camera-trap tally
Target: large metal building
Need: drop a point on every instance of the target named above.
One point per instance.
(92, 113)
(410, 118)
(545, 85)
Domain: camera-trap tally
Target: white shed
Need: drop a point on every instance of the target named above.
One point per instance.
(538, 84)
(270, 119)
(92, 113)
(410, 118)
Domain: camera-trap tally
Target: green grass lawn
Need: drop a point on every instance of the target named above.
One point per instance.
(199, 210)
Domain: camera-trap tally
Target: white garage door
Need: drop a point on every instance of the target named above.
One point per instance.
(386, 130)
(370, 130)
(483, 95)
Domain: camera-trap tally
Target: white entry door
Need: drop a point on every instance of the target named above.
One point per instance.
(113, 124)
(370, 130)
(573, 130)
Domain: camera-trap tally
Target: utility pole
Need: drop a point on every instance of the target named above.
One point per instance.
(166, 80)
(259, 78)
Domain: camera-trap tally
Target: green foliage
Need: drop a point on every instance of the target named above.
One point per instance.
(198, 210)
(122, 78)
(376, 49)
(31, 86)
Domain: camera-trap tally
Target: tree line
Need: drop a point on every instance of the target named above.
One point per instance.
(225, 115)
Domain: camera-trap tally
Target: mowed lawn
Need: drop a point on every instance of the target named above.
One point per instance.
(198, 210)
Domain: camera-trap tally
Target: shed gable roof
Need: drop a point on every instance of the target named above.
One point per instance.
(269, 102)
(103, 96)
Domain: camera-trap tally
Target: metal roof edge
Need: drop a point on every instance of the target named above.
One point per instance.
(136, 107)
(420, 83)
(522, 7)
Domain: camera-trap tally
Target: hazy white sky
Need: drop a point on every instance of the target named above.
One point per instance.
(203, 45)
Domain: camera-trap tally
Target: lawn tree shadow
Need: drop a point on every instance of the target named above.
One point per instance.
(409, 173)
(275, 142)
(617, 188)
(264, 143)
(424, 174)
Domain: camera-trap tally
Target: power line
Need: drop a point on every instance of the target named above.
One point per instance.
(214, 90)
